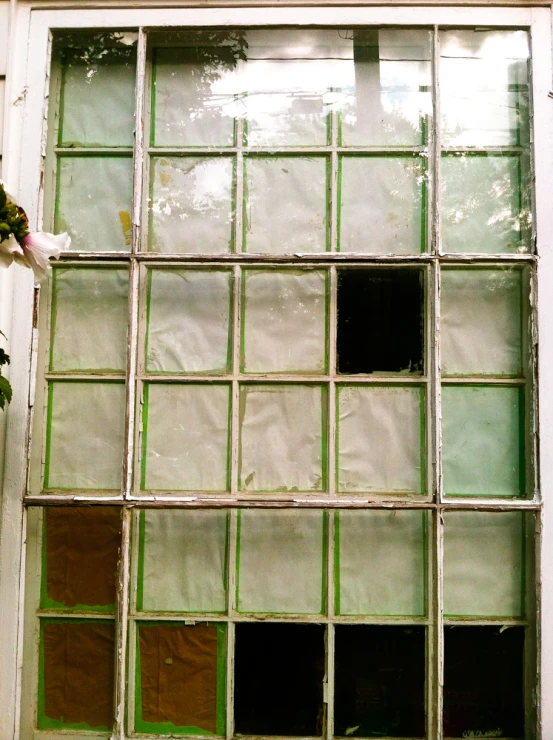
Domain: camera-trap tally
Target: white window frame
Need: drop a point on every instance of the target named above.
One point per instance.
(24, 167)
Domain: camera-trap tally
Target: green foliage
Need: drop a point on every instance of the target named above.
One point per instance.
(13, 219)
(5, 387)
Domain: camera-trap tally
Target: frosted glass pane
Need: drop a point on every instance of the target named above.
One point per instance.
(188, 321)
(94, 202)
(379, 439)
(281, 438)
(481, 206)
(191, 209)
(480, 320)
(85, 435)
(381, 563)
(284, 321)
(186, 442)
(483, 564)
(390, 98)
(89, 319)
(194, 104)
(285, 209)
(288, 77)
(381, 205)
(482, 445)
(184, 556)
(483, 87)
(97, 97)
(280, 566)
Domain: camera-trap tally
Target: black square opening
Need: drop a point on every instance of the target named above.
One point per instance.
(379, 681)
(483, 682)
(279, 670)
(380, 320)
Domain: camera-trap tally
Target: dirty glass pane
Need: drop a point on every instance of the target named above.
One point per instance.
(272, 546)
(285, 204)
(483, 682)
(380, 320)
(484, 95)
(483, 564)
(181, 686)
(188, 321)
(77, 675)
(284, 321)
(482, 210)
(281, 437)
(89, 319)
(389, 102)
(380, 564)
(186, 437)
(288, 76)
(97, 88)
(194, 89)
(482, 439)
(379, 681)
(85, 435)
(183, 561)
(481, 323)
(278, 685)
(379, 439)
(94, 202)
(381, 209)
(190, 208)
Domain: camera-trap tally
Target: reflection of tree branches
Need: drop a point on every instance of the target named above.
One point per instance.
(96, 48)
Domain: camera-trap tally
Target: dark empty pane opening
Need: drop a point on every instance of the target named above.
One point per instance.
(279, 673)
(380, 315)
(379, 681)
(483, 682)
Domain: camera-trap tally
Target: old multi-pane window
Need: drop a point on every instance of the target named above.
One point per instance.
(289, 368)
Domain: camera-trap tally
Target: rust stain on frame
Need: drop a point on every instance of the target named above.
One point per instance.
(178, 666)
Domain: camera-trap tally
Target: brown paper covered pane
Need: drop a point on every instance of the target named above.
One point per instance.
(82, 549)
(78, 674)
(178, 670)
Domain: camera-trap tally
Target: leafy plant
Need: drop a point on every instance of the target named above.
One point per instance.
(5, 387)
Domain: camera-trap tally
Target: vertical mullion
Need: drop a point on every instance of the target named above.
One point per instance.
(329, 685)
(435, 162)
(121, 626)
(231, 612)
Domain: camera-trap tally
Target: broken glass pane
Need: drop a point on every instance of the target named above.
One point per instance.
(284, 321)
(379, 681)
(189, 321)
(97, 88)
(183, 561)
(380, 563)
(379, 439)
(483, 564)
(482, 441)
(271, 546)
(285, 205)
(483, 675)
(481, 322)
(186, 437)
(191, 205)
(380, 320)
(484, 97)
(390, 100)
(85, 435)
(482, 206)
(94, 202)
(278, 686)
(381, 205)
(281, 437)
(89, 319)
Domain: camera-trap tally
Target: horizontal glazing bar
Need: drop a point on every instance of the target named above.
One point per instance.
(96, 150)
(97, 375)
(71, 614)
(396, 379)
(242, 618)
(284, 151)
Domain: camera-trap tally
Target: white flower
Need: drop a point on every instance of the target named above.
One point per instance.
(10, 251)
(38, 247)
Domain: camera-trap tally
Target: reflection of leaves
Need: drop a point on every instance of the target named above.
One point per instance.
(5, 391)
(96, 48)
